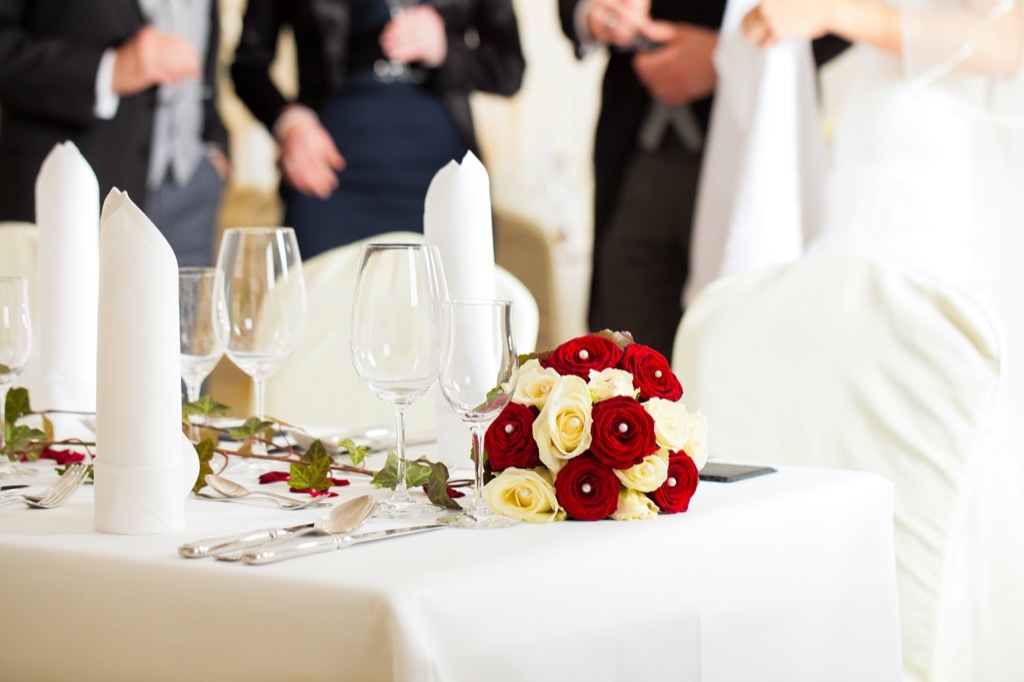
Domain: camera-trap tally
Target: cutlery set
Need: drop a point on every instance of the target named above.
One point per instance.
(331, 531)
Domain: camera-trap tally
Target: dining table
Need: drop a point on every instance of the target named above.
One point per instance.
(788, 576)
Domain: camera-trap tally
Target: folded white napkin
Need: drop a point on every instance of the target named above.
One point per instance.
(144, 464)
(759, 200)
(62, 372)
(457, 218)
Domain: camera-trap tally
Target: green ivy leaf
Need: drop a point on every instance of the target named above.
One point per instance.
(387, 477)
(437, 486)
(313, 475)
(357, 453)
(21, 440)
(4, 369)
(47, 428)
(17, 405)
(417, 472)
(316, 451)
(253, 428)
(205, 407)
(205, 450)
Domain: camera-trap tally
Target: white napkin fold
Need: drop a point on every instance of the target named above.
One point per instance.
(143, 467)
(457, 219)
(759, 199)
(62, 372)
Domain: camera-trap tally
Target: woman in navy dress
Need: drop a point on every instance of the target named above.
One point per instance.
(383, 104)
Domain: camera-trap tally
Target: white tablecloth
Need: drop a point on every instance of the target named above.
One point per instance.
(786, 577)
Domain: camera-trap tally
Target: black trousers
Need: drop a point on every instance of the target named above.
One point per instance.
(643, 258)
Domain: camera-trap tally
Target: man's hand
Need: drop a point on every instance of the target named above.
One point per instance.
(310, 162)
(415, 35)
(152, 57)
(681, 71)
(618, 22)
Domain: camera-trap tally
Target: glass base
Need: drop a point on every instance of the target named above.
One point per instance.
(10, 472)
(403, 509)
(471, 519)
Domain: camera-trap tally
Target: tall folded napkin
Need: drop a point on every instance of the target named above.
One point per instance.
(761, 184)
(62, 372)
(457, 219)
(143, 469)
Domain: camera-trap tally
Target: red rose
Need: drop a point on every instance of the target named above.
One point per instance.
(623, 432)
(651, 373)
(582, 354)
(509, 439)
(674, 494)
(587, 489)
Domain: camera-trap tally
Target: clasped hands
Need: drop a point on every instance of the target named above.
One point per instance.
(678, 69)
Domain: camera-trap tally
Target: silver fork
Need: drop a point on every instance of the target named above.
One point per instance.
(57, 494)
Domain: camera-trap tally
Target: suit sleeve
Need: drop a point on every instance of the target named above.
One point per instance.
(493, 62)
(256, 49)
(213, 127)
(567, 15)
(47, 77)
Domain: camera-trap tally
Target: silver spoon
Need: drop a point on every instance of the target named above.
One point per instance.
(342, 519)
(347, 515)
(231, 489)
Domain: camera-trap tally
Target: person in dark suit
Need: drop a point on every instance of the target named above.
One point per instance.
(96, 73)
(656, 100)
(382, 104)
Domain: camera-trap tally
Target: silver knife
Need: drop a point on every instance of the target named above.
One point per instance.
(232, 543)
(327, 543)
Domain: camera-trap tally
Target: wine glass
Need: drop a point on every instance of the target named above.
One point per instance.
(393, 71)
(15, 349)
(396, 340)
(202, 328)
(264, 294)
(478, 376)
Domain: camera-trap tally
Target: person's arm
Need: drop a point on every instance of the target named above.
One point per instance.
(257, 47)
(493, 62)
(49, 77)
(995, 44)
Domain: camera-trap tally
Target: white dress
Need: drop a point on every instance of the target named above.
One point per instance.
(927, 173)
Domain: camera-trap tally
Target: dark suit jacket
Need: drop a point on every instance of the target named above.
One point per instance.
(49, 54)
(495, 64)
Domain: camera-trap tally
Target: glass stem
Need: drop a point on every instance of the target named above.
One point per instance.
(3, 414)
(192, 388)
(479, 505)
(259, 447)
(401, 488)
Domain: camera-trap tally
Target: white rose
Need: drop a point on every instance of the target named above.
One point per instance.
(535, 384)
(609, 383)
(648, 475)
(671, 423)
(562, 429)
(526, 494)
(634, 506)
(696, 445)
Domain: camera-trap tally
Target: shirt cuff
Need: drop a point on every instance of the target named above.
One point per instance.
(587, 41)
(107, 100)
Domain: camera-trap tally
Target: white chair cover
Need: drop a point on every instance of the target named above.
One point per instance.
(839, 361)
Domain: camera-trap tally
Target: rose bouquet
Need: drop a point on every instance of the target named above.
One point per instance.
(595, 429)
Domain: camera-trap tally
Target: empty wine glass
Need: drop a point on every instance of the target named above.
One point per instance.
(396, 339)
(15, 349)
(202, 328)
(478, 376)
(264, 294)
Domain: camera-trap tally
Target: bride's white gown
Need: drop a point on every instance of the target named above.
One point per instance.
(927, 174)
